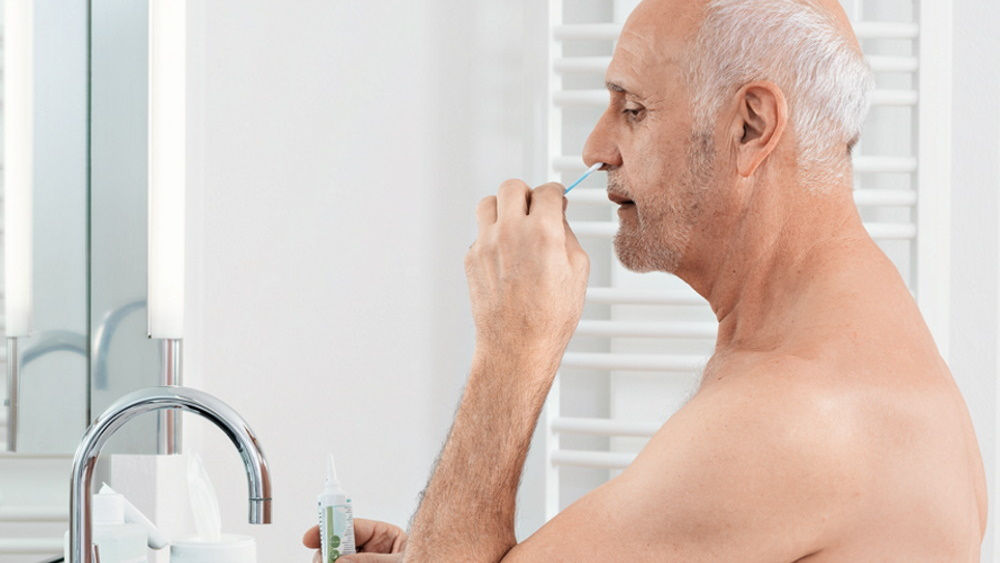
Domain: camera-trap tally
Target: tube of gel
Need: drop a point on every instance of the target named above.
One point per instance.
(336, 518)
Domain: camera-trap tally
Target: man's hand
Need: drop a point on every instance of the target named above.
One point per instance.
(375, 541)
(527, 273)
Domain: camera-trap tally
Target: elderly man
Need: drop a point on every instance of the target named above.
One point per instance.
(826, 426)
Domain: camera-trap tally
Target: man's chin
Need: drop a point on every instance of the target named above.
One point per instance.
(637, 257)
(632, 256)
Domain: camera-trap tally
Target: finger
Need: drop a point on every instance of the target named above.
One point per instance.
(370, 558)
(486, 211)
(311, 538)
(512, 199)
(572, 244)
(376, 536)
(547, 201)
(365, 530)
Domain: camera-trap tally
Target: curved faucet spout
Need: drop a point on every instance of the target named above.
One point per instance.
(152, 399)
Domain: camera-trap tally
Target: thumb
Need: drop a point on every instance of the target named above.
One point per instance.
(371, 558)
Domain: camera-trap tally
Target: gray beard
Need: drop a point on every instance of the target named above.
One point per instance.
(658, 238)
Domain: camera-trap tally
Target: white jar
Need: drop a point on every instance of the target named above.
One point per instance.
(229, 549)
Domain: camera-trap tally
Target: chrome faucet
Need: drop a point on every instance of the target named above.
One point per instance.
(147, 400)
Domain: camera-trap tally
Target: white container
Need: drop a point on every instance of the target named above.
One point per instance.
(229, 549)
(116, 540)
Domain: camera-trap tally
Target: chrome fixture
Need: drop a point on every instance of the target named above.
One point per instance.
(13, 393)
(154, 399)
(169, 425)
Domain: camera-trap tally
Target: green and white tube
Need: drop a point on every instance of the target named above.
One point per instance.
(336, 517)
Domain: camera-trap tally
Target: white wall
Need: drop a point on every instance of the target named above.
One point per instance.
(338, 151)
(975, 209)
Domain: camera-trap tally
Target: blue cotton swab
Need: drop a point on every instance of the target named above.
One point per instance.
(589, 171)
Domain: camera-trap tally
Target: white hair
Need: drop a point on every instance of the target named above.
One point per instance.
(798, 46)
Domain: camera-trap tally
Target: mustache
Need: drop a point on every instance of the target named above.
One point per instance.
(616, 185)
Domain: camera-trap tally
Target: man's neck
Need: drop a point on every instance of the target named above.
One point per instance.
(780, 246)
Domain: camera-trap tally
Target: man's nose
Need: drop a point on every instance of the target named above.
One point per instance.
(601, 145)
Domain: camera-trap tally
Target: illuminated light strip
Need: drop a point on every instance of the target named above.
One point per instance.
(167, 167)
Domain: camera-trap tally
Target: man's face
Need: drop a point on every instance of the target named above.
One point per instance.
(657, 163)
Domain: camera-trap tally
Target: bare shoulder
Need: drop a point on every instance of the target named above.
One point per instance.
(752, 470)
(830, 458)
(782, 458)
(779, 403)
(777, 453)
(774, 436)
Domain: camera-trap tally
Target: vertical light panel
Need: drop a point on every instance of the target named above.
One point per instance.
(167, 142)
(19, 141)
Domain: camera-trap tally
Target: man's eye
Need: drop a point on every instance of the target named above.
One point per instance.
(633, 113)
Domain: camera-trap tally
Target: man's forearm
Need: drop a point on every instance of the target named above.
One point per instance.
(467, 511)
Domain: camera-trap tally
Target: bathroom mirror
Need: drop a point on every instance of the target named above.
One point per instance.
(123, 358)
(87, 342)
(52, 406)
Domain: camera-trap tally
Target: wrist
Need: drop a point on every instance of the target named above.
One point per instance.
(517, 375)
(531, 360)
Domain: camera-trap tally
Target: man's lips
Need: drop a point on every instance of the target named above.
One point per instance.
(620, 200)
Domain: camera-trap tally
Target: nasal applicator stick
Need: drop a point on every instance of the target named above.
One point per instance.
(589, 171)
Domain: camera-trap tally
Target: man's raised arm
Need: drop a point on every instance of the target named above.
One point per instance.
(527, 280)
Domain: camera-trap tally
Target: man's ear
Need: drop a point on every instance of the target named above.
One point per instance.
(758, 125)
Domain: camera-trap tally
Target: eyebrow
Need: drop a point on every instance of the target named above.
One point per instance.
(615, 88)
(619, 89)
